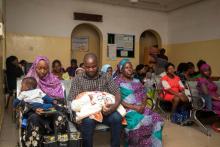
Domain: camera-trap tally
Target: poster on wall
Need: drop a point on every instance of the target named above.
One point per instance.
(124, 44)
(112, 51)
(81, 43)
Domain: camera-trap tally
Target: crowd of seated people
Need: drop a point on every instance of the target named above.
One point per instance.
(129, 86)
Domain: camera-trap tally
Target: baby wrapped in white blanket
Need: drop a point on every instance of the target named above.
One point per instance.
(89, 104)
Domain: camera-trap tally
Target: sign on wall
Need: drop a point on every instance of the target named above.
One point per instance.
(81, 43)
(124, 44)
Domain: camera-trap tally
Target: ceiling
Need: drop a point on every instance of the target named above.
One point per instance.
(158, 5)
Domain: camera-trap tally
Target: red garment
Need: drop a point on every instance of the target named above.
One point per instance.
(174, 84)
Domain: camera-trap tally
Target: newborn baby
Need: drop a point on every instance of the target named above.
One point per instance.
(91, 103)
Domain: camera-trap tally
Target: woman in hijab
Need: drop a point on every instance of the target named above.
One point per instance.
(107, 69)
(47, 82)
(144, 127)
(208, 90)
(37, 123)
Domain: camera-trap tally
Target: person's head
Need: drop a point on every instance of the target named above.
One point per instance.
(162, 51)
(140, 70)
(79, 70)
(91, 65)
(107, 69)
(81, 65)
(170, 69)
(39, 68)
(151, 69)
(190, 67)
(205, 70)
(28, 83)
(57, 66)
(73, 63)
(200, 63)
(146, 67)
(11, 60)
(23, 62)
(127, 70)
(182, 67)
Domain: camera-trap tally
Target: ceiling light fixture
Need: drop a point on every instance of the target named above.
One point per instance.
(134, 1)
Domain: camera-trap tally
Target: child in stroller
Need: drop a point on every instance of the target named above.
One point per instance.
(42, 116)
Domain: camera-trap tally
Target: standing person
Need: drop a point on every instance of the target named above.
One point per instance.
(92, 80)
(144, 127)
(162, 54)
(71, 70)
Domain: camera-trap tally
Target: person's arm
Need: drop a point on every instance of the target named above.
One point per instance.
(113, 89)
(75, 89)
(167, 87)
(48, 100)
(206, 92)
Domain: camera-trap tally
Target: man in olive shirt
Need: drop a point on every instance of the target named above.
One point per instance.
(92, 80)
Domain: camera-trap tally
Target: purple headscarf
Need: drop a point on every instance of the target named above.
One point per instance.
(49, 84)
(205, 67)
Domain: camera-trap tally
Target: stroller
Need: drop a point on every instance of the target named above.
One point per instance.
(68, 136)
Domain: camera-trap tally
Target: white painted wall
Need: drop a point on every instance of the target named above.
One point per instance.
(198, 22)
(55, 18)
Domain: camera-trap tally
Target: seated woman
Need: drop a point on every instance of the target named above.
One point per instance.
(13, 71)
(58, 71)
(52, 87)
(173, 88)
(107, 69)
(144, 127)
(208, 89)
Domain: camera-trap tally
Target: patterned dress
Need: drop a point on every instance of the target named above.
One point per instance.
(142, 130)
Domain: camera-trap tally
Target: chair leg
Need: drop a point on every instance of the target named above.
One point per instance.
(202, 127)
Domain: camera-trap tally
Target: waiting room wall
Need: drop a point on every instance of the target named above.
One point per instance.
(194, 34)
(45, 26)
(2, 52)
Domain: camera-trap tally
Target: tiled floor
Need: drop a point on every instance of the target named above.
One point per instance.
(173, 136)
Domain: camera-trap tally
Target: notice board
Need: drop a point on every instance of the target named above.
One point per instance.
(125, 44)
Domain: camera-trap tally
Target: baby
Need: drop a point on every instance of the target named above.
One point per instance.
(91, 104)
(31, 94)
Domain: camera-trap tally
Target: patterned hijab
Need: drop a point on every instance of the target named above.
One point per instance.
(119, 67)
(122, 63)
(49, 84)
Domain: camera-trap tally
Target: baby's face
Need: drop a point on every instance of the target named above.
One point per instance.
(24, 87)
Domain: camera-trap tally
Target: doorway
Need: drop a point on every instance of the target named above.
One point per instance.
(148, 39)
(90, 36)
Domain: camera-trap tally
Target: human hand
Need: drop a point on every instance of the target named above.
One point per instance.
(107, 109)
(139, 108)
(39, 111)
